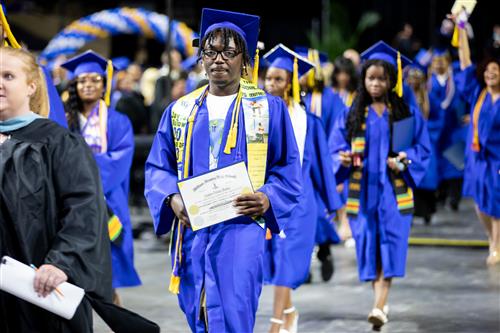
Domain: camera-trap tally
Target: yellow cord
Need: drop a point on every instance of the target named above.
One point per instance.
(6, 28)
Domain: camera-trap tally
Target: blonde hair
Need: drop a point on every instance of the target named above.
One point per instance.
(39, 101)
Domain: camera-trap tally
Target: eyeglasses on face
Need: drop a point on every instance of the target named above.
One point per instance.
(226, 54)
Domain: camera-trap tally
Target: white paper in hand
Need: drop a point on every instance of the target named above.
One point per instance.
(17, 279)
(459, 5)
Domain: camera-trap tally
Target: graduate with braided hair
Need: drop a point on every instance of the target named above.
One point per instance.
(218, 270)
(381, 176)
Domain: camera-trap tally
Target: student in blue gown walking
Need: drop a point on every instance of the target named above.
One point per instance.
(380, 200)
(110, 137)
(323, 102)
(482, 161)
(218, 270)
(290, 257)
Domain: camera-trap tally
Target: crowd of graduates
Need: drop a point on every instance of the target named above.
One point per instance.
(354, 148)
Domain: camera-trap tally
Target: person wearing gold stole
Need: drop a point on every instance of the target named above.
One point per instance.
(218, 270)
(482, 158)
(381, 174)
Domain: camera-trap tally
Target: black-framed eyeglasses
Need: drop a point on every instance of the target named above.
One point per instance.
(226, 54)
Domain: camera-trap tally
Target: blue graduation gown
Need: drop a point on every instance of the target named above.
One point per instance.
(380, 231)
(453, 131)
(114, 167)
(482, 169)
(331, 106)
(56, 107)
(288, 259)
(225, 260)
(435, 124)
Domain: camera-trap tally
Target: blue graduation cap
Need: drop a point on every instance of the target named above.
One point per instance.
(189, 63)
(92, 62)
(440, 52)
(87, 62)
(382, 51)
(308, 54)
(282, 57)
(244, 24)
(121, 63)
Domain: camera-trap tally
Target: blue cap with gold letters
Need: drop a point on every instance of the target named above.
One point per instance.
(246, 25)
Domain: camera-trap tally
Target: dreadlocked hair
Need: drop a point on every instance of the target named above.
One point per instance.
(74, 106)
(227, 34)
(397, 107)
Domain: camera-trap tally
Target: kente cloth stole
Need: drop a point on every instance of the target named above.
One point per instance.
(404, 193)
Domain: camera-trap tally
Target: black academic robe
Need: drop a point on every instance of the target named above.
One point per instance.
(52, 211)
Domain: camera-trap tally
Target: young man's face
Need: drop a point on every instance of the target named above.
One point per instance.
(222, 63)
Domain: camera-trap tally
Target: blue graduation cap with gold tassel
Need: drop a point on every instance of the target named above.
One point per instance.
(382, 51)
(282, 57)
(246, 25)
(91, 62)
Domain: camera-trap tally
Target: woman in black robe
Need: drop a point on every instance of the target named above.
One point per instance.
(52, 209)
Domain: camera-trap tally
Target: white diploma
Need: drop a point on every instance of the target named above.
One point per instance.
(209, 198)
(17, 279)
(459, 5)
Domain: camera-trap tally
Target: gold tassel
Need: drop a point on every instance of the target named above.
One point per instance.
(455, 38)
(175, 282)
(6, 28)
(311, 74)
(255, 74)
(295, 82)
(109, 82)
(233, 131)
(398, 89)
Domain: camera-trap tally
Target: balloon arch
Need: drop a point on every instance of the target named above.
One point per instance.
(117, 21)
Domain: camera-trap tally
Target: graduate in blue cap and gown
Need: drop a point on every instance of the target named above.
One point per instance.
(218, 270)
(290, 257)
(110, 137)
(430, 96)
(55, 109)
(325, 103)
(444, 97)
(482, 156)
(381, 175)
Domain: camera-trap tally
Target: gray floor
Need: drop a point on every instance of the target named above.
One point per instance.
(447, 289)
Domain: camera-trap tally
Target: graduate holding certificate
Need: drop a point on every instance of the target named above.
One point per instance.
(218, 270)
(384, 150)
(482, 157)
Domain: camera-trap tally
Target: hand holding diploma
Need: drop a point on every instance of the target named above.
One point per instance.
(252, 204)
(177, 206)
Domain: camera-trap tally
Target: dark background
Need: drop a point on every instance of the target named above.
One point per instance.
(281, 21)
